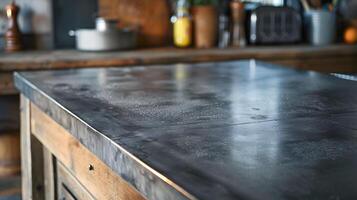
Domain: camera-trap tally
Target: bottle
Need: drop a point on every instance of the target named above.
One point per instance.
(238, 18)
(182, 23)
(224, 25)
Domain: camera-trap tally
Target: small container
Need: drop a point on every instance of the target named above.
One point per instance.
(182, 25)
(205, 20)
(320, 27)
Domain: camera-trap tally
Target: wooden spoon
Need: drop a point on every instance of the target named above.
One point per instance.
(317, 4)
(305, 5)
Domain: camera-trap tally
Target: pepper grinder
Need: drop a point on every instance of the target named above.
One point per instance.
(238, 17)
(12, 36)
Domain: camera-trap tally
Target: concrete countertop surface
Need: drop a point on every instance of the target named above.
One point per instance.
(222, 130)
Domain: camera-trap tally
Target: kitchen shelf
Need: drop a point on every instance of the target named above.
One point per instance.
(295, 56)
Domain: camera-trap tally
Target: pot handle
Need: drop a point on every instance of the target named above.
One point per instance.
(72, 33)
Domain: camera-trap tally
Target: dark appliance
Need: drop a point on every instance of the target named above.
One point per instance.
(71, 15)
(274, 25)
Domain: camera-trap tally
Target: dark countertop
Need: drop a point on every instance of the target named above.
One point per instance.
(227, 130)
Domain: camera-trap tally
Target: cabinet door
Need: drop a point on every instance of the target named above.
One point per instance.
(68, 186)
(92, 174)
(66, 194)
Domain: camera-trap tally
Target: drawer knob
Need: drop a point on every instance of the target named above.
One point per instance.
(91, 167)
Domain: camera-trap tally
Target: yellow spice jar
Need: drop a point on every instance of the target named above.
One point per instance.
(182, 24)
(183, 31)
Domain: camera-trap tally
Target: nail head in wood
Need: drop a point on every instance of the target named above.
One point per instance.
(91, 167)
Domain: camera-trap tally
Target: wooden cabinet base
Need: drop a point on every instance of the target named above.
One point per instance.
(69, 170)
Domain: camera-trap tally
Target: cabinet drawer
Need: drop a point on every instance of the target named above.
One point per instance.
(92, 173)
(68, 186)
(66, 195)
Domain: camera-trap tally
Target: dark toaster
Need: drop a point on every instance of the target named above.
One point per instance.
(274, 25)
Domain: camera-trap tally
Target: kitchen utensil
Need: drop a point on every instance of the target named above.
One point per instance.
(316, 4)
(320, 26)
(305, 4)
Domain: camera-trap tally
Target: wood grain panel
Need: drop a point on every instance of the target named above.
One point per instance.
(67, 183)
(49, 175)
(31, 157)
(92, 173)
(37, 170)
(151, 17)
(26, 149)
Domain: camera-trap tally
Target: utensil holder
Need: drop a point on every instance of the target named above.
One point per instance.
(320, 27)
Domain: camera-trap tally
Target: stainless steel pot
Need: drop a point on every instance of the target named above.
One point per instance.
(94, 40)
(106, 37)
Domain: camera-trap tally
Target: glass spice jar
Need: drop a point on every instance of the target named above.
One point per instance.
(182, 24)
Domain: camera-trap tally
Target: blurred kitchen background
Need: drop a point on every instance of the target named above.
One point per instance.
(45, 24)
(318, 35)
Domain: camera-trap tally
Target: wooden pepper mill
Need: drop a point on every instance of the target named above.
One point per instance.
(238, 18)
(12, 36)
